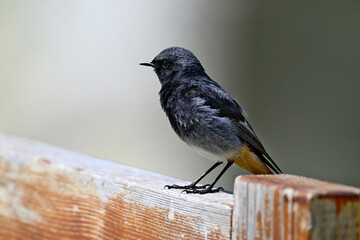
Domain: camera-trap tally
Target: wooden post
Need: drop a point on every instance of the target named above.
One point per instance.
(287, 207)
(51, 193)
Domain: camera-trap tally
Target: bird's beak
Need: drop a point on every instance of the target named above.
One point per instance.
(149, 64)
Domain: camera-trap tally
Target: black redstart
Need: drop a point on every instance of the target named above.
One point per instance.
(207, 118)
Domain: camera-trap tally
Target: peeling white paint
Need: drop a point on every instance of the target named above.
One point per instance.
(171, 214)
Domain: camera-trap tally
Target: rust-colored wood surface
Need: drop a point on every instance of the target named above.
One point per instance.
(51, 193)
(288, 207)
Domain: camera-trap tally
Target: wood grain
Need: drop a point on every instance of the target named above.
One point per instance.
(288, 207)
(51, 193)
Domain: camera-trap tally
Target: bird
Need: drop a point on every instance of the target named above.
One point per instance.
(207, 118)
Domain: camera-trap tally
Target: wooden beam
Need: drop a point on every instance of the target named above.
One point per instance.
(51, 193)
(288, 207)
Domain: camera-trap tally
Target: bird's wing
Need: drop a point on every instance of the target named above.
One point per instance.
(217, 98)
(252, 140)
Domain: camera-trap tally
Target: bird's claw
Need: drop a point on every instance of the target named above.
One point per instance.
(203, 191)
(187, 187)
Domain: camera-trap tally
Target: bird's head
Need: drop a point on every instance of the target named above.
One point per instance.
(174, 61)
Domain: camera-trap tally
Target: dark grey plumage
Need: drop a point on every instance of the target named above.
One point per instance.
(202, 113)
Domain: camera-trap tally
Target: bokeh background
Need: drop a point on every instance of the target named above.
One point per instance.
(70, 77)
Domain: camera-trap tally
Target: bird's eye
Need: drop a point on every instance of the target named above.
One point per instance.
(165, 64)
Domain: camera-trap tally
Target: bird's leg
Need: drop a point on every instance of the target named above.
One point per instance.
(193, 184)
(209, 189)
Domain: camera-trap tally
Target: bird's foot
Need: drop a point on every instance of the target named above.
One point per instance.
(187, 187)
(204, 191)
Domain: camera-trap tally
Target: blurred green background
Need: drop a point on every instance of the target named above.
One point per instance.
(70, 76)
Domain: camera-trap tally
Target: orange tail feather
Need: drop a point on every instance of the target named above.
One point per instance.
(247, 159)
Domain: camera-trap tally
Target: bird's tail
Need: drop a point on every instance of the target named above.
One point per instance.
(249, 160)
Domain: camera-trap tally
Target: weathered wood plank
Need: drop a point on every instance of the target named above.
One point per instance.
(287, 207)
(51, 193)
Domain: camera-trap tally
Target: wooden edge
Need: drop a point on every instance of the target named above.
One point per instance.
(50, 193)
(302, 185)
(293, 207)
